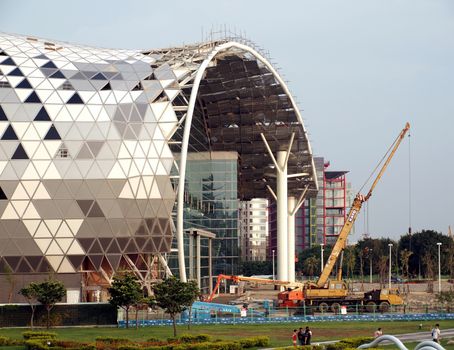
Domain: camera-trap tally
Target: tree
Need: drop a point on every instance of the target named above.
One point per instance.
(125, 292)
(361, 254)
(143, 304)
(383, 267)
(350, 259)
(49, 293)
(451, 257)
(9, 276)
(422, 243)
(310, 265)
(30, 293)
(404, 259)
(175, 296)
(314, 251)
(250, 268)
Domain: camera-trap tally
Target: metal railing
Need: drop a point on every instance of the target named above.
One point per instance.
(297, 314)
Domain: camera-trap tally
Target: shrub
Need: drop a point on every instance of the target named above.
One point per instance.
(302, 347)
(355, 342)
(42, 335)
(195, 338)
(4, 341)
(157, 347)
(88, 347)
(254, 342)
(154, 340)
(222, 345)
(337, 346)
(68, 344)
(112, 340)
(35, 344)
(349, 343)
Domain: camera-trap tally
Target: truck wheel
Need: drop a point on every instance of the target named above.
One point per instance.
(335, 307)
(384, 306)
(371, 306)
(323, 307)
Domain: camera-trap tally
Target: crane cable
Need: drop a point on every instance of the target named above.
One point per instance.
(409, 184)
(379, 164)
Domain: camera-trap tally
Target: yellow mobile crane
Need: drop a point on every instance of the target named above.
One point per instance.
(333, 293)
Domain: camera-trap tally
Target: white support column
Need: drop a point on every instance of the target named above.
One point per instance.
(210, 266)
(282, 212)
(191, 255)
(198, 261)
(291, 238)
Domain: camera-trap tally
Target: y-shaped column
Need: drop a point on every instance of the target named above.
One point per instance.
(281, 207)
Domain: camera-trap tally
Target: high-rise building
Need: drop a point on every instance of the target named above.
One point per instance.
(253, 229)
(320, 219)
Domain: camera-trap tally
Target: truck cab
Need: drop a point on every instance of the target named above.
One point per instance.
(381, 299)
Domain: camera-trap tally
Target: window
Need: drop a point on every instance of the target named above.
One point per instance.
(62, 153)
(67, 86)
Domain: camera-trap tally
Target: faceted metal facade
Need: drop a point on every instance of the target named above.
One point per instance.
(94, 144)
(84, 156)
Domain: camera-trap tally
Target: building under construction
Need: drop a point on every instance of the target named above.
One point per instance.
(96, 147)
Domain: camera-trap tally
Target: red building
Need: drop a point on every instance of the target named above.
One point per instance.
(320, 219)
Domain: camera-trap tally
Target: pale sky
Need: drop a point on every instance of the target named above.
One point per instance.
(360, 70)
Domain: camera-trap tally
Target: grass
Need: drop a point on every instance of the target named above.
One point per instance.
(280, 334)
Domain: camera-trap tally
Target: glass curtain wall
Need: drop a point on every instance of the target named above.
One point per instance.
(211, 204)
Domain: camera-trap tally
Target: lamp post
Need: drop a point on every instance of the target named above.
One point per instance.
(274, 277)
(390, 262)
(439, 268)
(370, 265)
(321, 257)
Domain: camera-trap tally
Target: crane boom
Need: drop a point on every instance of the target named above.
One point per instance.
(353, 214)
(237, 279)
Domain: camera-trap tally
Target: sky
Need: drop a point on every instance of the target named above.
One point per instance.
(359, 69)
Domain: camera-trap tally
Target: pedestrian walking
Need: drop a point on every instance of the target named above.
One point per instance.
(294, 338)
(378, 332)
(436, 333)
(308, 334)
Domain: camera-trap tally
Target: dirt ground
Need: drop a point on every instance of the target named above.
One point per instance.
(414, 294)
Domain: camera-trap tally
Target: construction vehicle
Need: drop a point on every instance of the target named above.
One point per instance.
(328, 293)
(255, 280)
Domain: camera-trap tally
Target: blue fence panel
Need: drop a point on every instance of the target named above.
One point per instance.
(325, 318)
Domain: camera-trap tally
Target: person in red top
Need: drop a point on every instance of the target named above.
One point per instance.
(294, 337)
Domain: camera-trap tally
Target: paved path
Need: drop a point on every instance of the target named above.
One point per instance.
(406, 337)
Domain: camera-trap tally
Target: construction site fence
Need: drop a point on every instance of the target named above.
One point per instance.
(288, 314)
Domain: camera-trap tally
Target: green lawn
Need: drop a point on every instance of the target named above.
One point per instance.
(280, 334)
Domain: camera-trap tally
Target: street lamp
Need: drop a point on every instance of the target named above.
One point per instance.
(370, 264)
(321, 257)
(390, 263)
(439, 268)
(273, 266)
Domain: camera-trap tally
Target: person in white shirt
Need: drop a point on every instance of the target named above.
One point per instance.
(436, 334)
(378, 333)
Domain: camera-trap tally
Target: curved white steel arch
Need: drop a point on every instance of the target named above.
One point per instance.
(187, 128)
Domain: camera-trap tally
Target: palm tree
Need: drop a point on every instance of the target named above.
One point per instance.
(405, 258)
(350, 260)
(311, 265)
(383, 266)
